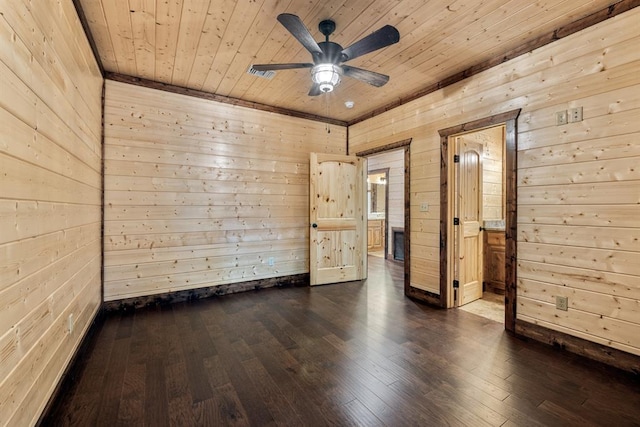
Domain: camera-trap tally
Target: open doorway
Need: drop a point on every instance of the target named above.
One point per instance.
(388, 204)
(478, 205)
(465, 235)
(378, 189)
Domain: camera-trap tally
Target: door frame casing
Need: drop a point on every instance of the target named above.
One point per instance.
(404, 144)
(509, 119)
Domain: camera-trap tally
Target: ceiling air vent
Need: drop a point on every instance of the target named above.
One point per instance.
(264, 74)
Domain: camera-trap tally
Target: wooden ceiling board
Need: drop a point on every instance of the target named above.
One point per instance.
(169, 21)
(143, 27)
(118, 22)
(208, 45)
(254, 41)
(194, 14)
(215, 24)
(459, 41)
(100, 33)
(240, 23)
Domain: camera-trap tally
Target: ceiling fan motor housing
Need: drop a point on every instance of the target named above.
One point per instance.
(331, 53)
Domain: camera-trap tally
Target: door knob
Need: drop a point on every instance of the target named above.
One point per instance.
(314, 225)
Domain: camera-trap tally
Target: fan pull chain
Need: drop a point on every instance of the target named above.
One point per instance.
(326, 101)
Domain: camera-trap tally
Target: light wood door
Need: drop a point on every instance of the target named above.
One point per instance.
(468, 242)
(337, 196)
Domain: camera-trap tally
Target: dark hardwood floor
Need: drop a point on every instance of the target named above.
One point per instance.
(346, 354)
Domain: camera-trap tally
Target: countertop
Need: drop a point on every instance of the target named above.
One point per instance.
(493, 225)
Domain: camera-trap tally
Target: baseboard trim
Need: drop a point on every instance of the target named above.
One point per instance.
(125, 304)
(424, 296)
(610, 356)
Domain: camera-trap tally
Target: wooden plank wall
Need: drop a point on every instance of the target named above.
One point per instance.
(578, 184)
(199, 193)
(394, 160)
(50, 200)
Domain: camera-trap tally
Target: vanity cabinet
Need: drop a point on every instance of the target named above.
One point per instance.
(494, 259)
(375, 234)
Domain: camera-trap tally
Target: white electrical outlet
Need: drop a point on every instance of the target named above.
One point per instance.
(271, 261)
(424, 207)
(70, 323)
(562, 303)
(561, 118)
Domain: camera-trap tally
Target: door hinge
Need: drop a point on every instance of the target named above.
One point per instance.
(456, 284)
(456, 221)
(456, 158)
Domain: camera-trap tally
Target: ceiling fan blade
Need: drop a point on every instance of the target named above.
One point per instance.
(300, 32)
(371, 77)
(315, 90)
(269, 67)
(384, 37)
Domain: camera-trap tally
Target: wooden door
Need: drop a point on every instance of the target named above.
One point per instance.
(337, 197)
(468, 208)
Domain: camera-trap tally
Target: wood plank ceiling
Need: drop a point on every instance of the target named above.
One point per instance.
(209, 45)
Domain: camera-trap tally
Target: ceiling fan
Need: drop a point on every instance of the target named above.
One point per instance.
(329, 57)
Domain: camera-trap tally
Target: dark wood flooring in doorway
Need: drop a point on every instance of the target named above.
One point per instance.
(347, 354)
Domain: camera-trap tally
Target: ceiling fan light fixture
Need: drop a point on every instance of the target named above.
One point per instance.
(326, 76)
(328, 57)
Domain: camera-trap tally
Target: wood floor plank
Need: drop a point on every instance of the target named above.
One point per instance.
(180, 402)
(240, 382)
(360, 414)
(114, 379)
(301, 400)
(364, 358)
(132, 404)
(345, 354)
(525, 406)
(285, 340)
(210, 412)
(155, 397)
(230, 408)
(568, 416)
(194, 354)
(374, 393)
(275, 401)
